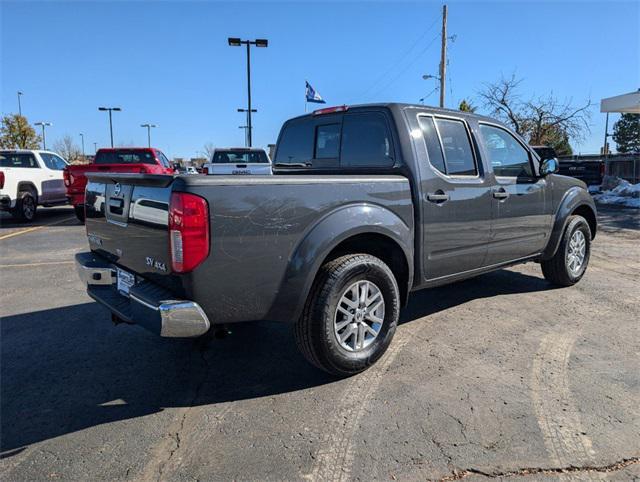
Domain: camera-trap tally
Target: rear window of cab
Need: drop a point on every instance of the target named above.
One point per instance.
(125, 157)
(351, 140)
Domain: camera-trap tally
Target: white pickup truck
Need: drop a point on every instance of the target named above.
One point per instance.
(29, 178)
(238, 160)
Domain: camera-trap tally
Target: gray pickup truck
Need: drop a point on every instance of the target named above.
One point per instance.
(366, 204)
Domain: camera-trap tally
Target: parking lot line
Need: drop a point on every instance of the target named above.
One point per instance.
(28, 265)
(35, 228)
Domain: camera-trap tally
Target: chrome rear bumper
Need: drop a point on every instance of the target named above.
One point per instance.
(147, 304)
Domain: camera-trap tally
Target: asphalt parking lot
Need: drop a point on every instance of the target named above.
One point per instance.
(500, 376)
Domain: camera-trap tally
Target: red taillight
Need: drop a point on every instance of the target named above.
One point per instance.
(1, 179)
(188, 231)
(67, 178)
(205, 170)
(331, 110)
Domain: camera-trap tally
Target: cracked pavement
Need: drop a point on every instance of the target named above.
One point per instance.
(499, 377)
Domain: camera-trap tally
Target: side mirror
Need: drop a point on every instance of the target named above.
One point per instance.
(549, 166)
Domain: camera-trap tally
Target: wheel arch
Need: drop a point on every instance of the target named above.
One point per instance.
(576, 201)
(356, 228)
(27, 186)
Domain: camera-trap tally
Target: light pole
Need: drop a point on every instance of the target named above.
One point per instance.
(110, 109)
(82, 138)
(95, 148)
(148, 126)
(247, 141)
(44, 140)
(19, 105)
(236, 42)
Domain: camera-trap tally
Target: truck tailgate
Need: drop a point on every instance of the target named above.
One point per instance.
(127, 218)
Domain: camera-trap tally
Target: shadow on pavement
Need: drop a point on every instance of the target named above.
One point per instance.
(614, 218)
(44, 216)
(68, 369)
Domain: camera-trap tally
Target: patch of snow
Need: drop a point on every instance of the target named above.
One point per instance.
(594, 189)
(623, 194)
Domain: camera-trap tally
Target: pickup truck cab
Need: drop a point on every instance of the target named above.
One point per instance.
(28, 179)
(366, 205)
(238, 161)
(120, 159)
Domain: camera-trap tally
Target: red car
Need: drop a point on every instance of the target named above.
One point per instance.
(119, 159)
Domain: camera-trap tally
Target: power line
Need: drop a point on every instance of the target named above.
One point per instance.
(401, 59)
(406, 67)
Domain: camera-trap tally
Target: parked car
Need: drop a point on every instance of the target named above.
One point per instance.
(238, 160)
(192, 170)
(28, 179)
(140, 160)
(366, 205)
(591, 172)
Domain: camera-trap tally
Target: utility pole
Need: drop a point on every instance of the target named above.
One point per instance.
(82, 137)
(19, 104)
(95, 148)
(110, 109)
(443, 55)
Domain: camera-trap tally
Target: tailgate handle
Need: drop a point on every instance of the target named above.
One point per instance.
(116, 205)
(241, 166)
(103, 168)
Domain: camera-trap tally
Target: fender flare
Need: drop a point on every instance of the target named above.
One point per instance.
(573, 199)
(331, 230)
(29, 185)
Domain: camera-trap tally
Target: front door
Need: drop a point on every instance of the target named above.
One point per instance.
(520, 204)
(455, 199)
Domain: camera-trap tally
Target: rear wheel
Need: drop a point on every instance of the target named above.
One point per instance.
(26, 206)
(79, 210)
(350, 316)
(570, 262)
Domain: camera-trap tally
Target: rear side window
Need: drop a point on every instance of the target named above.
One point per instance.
(163, 159)
(507, 156)
(327, 141)
(456, 146)
(18, 159)
(124, 157)
(296, 144)
(366, 141)
(434, 149)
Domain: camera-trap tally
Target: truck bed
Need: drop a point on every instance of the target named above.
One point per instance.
(258, 224)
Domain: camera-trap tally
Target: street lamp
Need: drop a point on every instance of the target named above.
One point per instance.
(43, 125)
(110, 109)
(95, 148)
(247, 143)
(82, 138)
(236, 42)
(148, 126)
(19, 105)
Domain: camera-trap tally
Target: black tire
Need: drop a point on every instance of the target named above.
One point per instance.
(26, 206)
(556, 270)
(79, 210)
(314, 331)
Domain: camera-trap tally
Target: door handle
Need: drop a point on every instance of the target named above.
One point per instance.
(438, 197)
(500, 194)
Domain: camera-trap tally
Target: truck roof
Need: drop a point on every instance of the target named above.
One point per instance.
(246, 149)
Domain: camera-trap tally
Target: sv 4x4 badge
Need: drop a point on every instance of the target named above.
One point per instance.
(159, 265)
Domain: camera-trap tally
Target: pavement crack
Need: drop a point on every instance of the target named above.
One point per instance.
(571, 469)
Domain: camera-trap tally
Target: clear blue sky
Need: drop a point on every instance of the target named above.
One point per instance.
(168, 62)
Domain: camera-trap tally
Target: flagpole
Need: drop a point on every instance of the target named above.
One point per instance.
(305, 96)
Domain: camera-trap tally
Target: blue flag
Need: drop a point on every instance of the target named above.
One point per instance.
(312, 95)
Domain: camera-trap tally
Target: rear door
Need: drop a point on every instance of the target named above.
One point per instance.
(520, 204)
(455, 198)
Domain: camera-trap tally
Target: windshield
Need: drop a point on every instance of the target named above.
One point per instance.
(124, 156)
(240, 157)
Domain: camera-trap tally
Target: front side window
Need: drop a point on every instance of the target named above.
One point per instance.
(366, 141)
(327, 141)
(53, 162)
(456, 146)
(295, 145)
(18, 159)
(507, 156)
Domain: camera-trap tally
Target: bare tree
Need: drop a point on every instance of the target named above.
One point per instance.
(68, 149)
(540, 120)
(207, 151)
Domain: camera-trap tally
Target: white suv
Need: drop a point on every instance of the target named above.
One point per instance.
(30, 178)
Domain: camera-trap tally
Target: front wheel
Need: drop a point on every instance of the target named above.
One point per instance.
(570, 262)
(350, 316)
